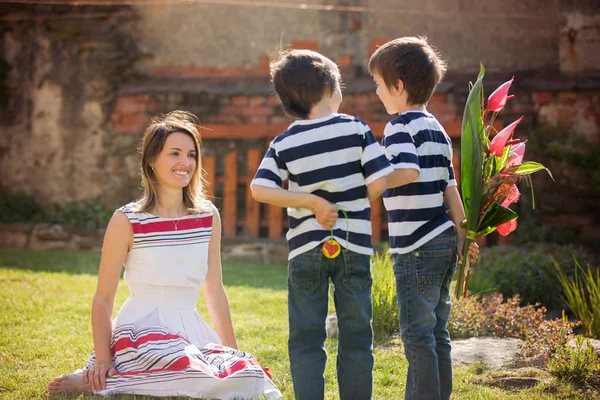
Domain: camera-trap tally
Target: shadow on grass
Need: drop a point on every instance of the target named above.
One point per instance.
(235, 273)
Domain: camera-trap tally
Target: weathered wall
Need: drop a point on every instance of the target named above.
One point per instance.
(76, 93)
(56, 141)
(505, 35)
(580, 36)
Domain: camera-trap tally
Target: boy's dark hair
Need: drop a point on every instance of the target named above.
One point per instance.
(412, 60)
(301, 78)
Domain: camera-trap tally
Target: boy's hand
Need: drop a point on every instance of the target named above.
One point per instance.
(325, 213)
(473, 252)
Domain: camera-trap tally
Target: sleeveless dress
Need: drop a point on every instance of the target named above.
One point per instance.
(161, 346)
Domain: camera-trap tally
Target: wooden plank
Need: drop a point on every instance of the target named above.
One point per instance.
(252, 206)
(275, 217)
(376, 209)
(229, 214)
(241, 179)
(209, 167)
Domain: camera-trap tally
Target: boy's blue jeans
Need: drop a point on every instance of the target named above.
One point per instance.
(308, 288)
(423, 279)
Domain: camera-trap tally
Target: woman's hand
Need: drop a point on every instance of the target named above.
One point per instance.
(95, 377)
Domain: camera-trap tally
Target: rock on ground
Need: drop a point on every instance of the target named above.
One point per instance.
(493, 352)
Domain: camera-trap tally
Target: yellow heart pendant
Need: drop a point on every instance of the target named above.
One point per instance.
(331, 248)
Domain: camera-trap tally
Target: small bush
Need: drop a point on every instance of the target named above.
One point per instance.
(575, 365)
(582, 295)
(19, 207)
(385, 305)
(467, 318)
(548, 337)
(489, 315)
(528, 271)
(83, 214)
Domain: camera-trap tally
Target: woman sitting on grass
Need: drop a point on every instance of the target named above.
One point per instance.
(169, 243)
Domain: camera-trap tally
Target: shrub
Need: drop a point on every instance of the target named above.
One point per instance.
(575, 365)
(467, 318)
(385, 305)
(489, 315)
(528, 271)
(19, 207)
(582, 295)
(548, 337)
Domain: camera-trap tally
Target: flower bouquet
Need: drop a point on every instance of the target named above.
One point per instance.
(490, 170)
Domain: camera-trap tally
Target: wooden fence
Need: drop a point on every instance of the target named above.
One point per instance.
(229, 188)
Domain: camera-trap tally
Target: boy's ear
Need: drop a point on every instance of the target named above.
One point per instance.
(399, 86)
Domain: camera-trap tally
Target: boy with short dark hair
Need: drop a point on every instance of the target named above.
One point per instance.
(334, 166)
(424, 210)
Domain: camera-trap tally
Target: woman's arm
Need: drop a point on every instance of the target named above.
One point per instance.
(213, 290)
(118, 240)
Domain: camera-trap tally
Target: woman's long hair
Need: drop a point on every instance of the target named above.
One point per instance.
(155, 136)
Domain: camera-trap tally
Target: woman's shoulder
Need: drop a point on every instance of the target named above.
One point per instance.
(206, 207)
(130, 209)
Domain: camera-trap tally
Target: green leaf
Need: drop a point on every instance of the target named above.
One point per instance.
(489, 166)
(471, 153)
(502, 160)
(527, 168)
(496, 215)
(486, 231)
(472, 136)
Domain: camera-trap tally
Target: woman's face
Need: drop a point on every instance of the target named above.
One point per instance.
(176, 163)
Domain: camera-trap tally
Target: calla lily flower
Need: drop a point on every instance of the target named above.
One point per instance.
(516, 155)
(501, 139)
(498, 99)
(507, 227)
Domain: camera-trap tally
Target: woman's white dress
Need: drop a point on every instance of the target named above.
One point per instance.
(161, 345)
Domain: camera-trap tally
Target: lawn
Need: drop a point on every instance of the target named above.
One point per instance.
(45, 329)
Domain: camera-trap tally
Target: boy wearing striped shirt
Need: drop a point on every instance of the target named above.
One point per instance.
(334, 166)
(424, 211)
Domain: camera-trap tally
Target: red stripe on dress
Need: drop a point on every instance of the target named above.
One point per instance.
(126, 342)
(180, 365)
(169, 226)
(239, 365)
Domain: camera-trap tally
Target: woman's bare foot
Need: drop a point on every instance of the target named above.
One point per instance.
(72, 383)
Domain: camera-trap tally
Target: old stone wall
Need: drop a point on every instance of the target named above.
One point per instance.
(78, 84)
(506, 35)
(62, 80)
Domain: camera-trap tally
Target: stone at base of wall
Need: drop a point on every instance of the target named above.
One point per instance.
(50, 237)
(58, 237)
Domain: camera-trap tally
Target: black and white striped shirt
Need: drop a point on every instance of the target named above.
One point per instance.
(416, 212)
(334, 157)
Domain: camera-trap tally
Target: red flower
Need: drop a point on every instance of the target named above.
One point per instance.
(516, 155)
(512, 196)
(497, 100)
(507, 227)
(500, 140)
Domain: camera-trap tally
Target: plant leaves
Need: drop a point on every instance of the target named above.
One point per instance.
(495, 215)
(472, 134)
(527, 168)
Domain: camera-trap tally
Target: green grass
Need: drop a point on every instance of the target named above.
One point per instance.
(45, 329)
